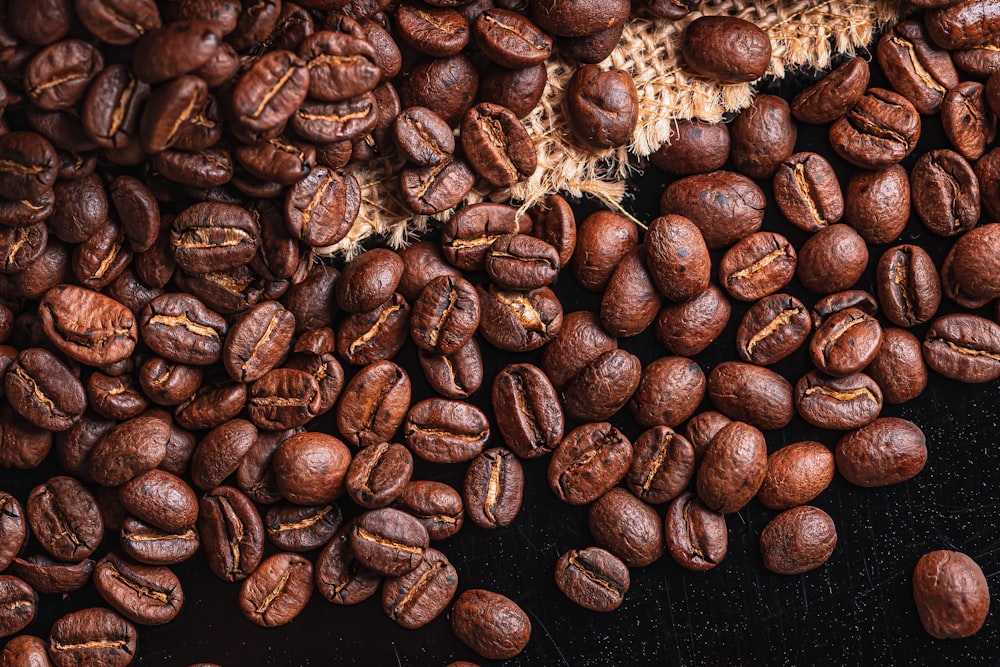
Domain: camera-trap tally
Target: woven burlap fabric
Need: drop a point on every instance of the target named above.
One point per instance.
(803, 34)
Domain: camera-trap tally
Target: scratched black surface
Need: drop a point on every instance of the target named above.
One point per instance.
(856, 609)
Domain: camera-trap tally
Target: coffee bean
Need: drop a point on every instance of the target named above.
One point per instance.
(724, 205)
(494, 486)
(418, 597)
(435, 31)
(962, 25)
(798, 540)
(13, 528)
(951, 594)
(277, 591)
(310, 468)
(321, 206)
(490, 624)
(168, 383)
(908, 285)
(976, 266)
(602, 107)
(445, 315)
(627, 527)
(423, 261)
(773, 328)
(700, 430)
(378, 474)
(44, 390)
(389, 541)
(510, 39)
(144, 594)
(29, 165)
(174, 49)
(963, 347)
(52, 577)
(65, 519)
(580, 18)
(838, 301)
(915, 67)
(807, 191)
(328, 122)
(880, 130)
(677, 258)
(520, 90)
(258, 341)
(93, 636)
(845, 343)
(593, 578)
(18, 604)
(369, 280)
(669, 392)
(834, 95)
(832, 260)
(580, 341)
(945, 193)
(232, 533)
(589, 461)
(796, 474)
(631, 300)
(522, 262)
(838, 402)
(497, 145)
(152, 546)
(446, 86)
(757, 265)
(528, 413)
(118, 23)
(733, 468)
(341, 66)
(21, 247)
(887, 451)
(518, 321)
(689, 327)
(763, 136)
(87, 326)
(663, 464)
(603, 386)
(468, 235)
(603, 240)
(899, 367)
(967, 120)
(878, 203)
(696, 537)
(751, 393)
(219, 453)
(726, 49)
(456, 375)
(695, 148)
(423, 137)
(980, 60)
(364, 338)
(435, 505)
(160, 499)
(374, 404)
(446, 431)
(340, 578)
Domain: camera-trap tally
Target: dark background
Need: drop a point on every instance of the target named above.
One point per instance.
(857, 608)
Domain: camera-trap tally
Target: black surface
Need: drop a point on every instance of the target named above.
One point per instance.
(856, 609)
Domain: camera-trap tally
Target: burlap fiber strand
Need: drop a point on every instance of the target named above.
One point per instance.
(807, 33)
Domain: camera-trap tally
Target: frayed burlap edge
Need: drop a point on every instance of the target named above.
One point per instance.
(806, 33)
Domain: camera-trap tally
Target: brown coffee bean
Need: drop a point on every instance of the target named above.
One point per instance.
(589, 461)
(833, 96)
(152, 546)
(29, 165)
(446, 86)
(689, 327)
(603, 386)
(518, 321)
(757, 265)
(435, 31)
(423, 261)
(497, 145)
(328, 122)
(603, 240)
(887, 451)
(364, 338)
(878, 203)
(44, 391)
(700, 430)
(838, 402)
(130, 449)
(945, 193)
(219, 453)
(976, 270)
(696, 537)
(435, 505)
(415, 599)
(915, 67)
(663, 464)
(340, 578)
(445, 316)
(213, 236)
(277, 591)
(87, 326)
(52, 577)
(258, 341)
(580, 341)
(798, 540)
(528, 413)
(58, 76)
(160, 499)
(490, 624)
(20, 247)
(832, 260)
(967, 120)
(962, 25)
(232, 532)
(522, 262)
(951, 594)
(423, 137)
(520, 90)
(310, 468)
(212, 405)
(494, 487)
(510, 39)
(593, 578)
(279, 159)
(94, 636)
(554, 222)
(677, 258)
(838, 301)
(724, 205)
(899, 367)
(909, 288)
(22, 444)
(627, 527)
(880, 130)
(255, 474)
(144, 594)
(726, 49)
(369, 280)
(468, 235)
(18, 604)
(796, 474)
(845, 342)
(296, 528)
(669, 392)
(602, 107)
(168, 383)
(631, 300)
(774, 328)
(456, 375)
(378, 474)
(696, 148)
(190, 44)
(751, 393)
(341, 66)
(65, 519)
(321, 207)
(388, 541)
(733, 469)
(807, 191)
(118, 23)
(13, 528)
(446, 431)
(763, 136)
(963, 347)
(374, 404)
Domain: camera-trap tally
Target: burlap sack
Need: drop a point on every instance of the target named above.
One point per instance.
(804, 33)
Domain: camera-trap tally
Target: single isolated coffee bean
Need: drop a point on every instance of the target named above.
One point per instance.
(627, 527)
(494, 487)
(593, 578)
(807, 191)
(798, 540)
(773, 328)
(733, 468)
(528, 413)
(887, 451)
(899, 368)
(418, 597)
(726, 49)
(845, 402)
(951, 594)
(696, 537)
(490, 624)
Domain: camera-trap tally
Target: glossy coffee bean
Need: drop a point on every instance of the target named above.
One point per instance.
(528, 413)
(798, 540)
(144, 594)
(321, 206)
(44, 391)
(669, 392)
(522, 262)
(631, 300)
(593, 578)
(774, 328)
(733, 468)
(603, 240)
(724, 205)
(915, 66)
(603, 386)
(796, 474)
(757, 265)
(832, 260)
(726, 49)
(13, 528)
(418, 597)
(696, 148)
(663, 464)
(339, 577)
(689, 327)
(160, 499)
(423, 136)
(497, 145)
(909, 288)
(878, 203)
(445, 315)
(231, 532)
(457, 375)
(152, 546)
(446, 431)
(807, 191)
(310, 468)
(899, 368)
(627, 527)
(677, 257)
(94, 636)
(845, 342)
(881, 130)
(494, 488)
(887, 451)
(435, 505)
(962, 25)
(65, 519)
(277, 591)
(945, 192)
(838, 402)
(602, 107)
(219, 453)
(963, 347)
(763, 136)
(834, 95)
(378, 474)
(519, 321)
(751, 393)
(490, 624)
(951, 594)
(87, 326)
(696, 537)
(388, 541)
(589, 461)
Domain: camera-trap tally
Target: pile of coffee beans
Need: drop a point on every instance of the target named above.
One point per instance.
(166, 171)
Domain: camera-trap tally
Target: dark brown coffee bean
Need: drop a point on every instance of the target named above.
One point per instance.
(445, 316)
(468, 235)
(116, 22)
(81, 208)
(379, 334)
(255, 474)
(132, 448)
(490, 624)
(689, 327)
(724, 205)
(603, 240)
(798, 540)
(423, 137)
(631, 300)
(701, 429)
(518, 321)
(603, 386)
(915, 67)
(751, 393)
(340, 578)
(190, 44)
(446, 86)
(899, 367)
(832, 304)
(578, 18)
(29, 164)
(168, 383)
(52, 577)
(321, 207)
(22, 444)
(627, 527)
(807, 191)
(733, 468)
(369, 280)
(446, 431)
(269, 92)
(494, 487)
(593, 578)
(951, 594)
(834, 95)
(579, 342)
(13, 528)
(212, 405)
(967, 120)
(763, 136)
(963, 24)
(881, 130)
(589, 461)
(668, 393)
(341, 66)
(160, 499)
(436, 505)
(58, 76)
(695, 148)
(94, 636)
(65, 519)
(845, 343)
(374, 404)
(976, 270)
(258, 341)
(522, 262)
(389, 541)
(152, 546)
(945, 193)
(213, 236)
(497, 145)
(555, 223)
(527, 409)
(726, 49)
(310, 468)
(757, 265)
(422, 263)
(510, 39)
(838, 402)
(662, 465)
(378, 474)
(232, 532)
(773, 328)
(519, 90)
(44, 391)
(219, 452)
(21, 246)
(909, 288)
(436, 31)
(18, 604)
(326, 122)
(963, 347)
(418, 597)
(832, 260)
(677, 258)
(602, 107)
(180, 328)
(456, 375)
(277, 591)
(99, 260)
(696, 537)
(796, 474)
(51, 268)
(144, 594)
(887, 451)
(87, 326)
(878, 203)
(979, 60)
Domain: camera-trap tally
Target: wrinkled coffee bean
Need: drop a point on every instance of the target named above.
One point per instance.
(696, 537)
(144, 594)
(231, 532)
(751, 393)
(378, 474)
(774, 328)
(446, 431)
(494, 487)
(389, 541)
(887, 451)
(733, 468)
(93, 636)
(726, 49)
(796, 474)
(593, 578)
(418, 597)
(951, 594)
(845, 342)
(899, 367)
(798, 540)
(838, 402)
(589, 461)
(490, 624)
(528, 413)
(724, 205)
(627, 527)
(834, 95)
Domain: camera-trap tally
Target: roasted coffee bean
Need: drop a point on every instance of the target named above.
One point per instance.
(340, 578)
(696, 537)
(28, 165)
(168, 383)
(52, 577)
(962, 25)
(527, 409)
(171, 111)
(81, 208)
(733, 468)
(631, 300)
(232, 533)
(915, 67)
(669, 392)
(701, 429)
(22, 444)
(369, 280)
(798, 540)
(627, 527)
(446, 431)
(555, 223)
(845, 342)
(378, 474)
(603, 386)
(389, 541)
(13, 528)
(374, 405)
(25, 651)
(328, 122)
(118, 23)
(65, 519)
(130, 449)
(909, 288)
(522, 262)
(44, 391)
(951, 594)
(519, 90)
(878, 203)
(213, 236)
(602, 107)
(87, 326)
(212, 405)
(593, 578)
(519, 321)
(887, 451)
(446, 86)
(313, 301)
(589, 461)
(980, 60)
(497, 145)
(579, 342)
(838, 301)
(445, 315)
(763, 136)
(774, 328)
(967, 120)
(341, 66)
(757, 265)
(677, 258)
(796, 474)
(724, 205)
(945, 193)
(58, 76)
(51, 268)
(880, 130)
(321, 207)
(18, 604)
(364, 338)
(455, 375)
(144, 594)
(152, 546)
(490, 624)
(963, 347)
(976, 266)
(436, 31)
(258, 341)
(494, 486)
(663, 464)
(255, 474)
(838, 402)
(423, 261)
(278, 159)
(160, 499)
(604, 239)
(726, 49)
(206, 168)
(834, 95)
(582, 18)
(21, 246)
(696, 148)
(219, 452)
(751, 393)
(832, 260)
(99, 260)
(510, 39)
(270, 90)
(807, 192)
(93, 636)
(415, 599)
(899, 368)
(436, 505)
(190, 44)
(310, 468)
(180, 328)
(423, 137)
(277, 591)
(468, 235)
(689, 327)
(592, 48)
